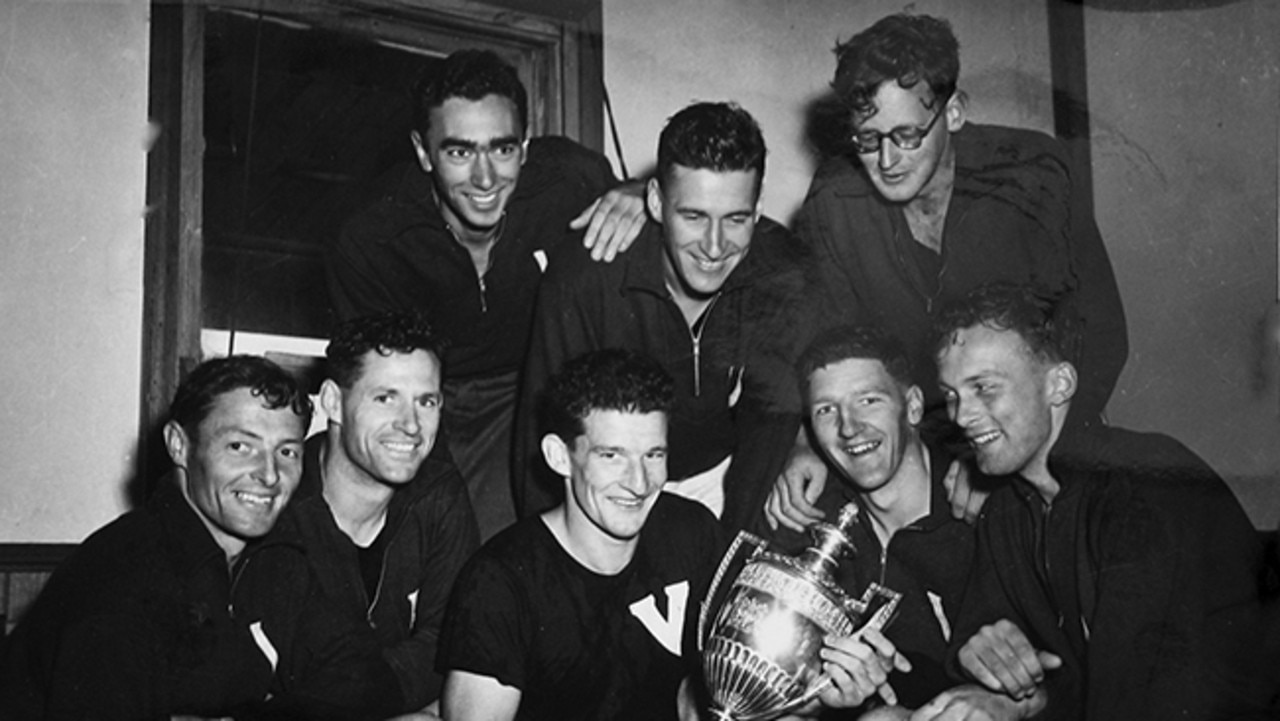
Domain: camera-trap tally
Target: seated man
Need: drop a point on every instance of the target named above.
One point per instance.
(586, 611)
(189, 606)
(463, 237)
(712, 291)
(1116, 571)
(865, 410)
(386, 528)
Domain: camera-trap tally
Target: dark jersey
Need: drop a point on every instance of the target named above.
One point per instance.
(577, 644)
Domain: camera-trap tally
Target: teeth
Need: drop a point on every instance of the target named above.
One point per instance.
(861, 448)
(984, 438)
(400, 447)
(253, 499)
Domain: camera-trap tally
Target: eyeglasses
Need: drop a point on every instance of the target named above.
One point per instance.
(906, 137)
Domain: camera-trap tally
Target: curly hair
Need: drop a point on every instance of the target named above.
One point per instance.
(905, 48)
(854, 341)
(1046, 321)
(384, 333)
(201, 388)
(711, 136)
(614, 379)
(469, 74)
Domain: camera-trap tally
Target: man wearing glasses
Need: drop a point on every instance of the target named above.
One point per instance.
(933, 207)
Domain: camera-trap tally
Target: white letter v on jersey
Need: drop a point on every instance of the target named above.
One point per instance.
(668, 631)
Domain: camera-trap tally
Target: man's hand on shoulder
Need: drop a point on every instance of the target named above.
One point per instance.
(1000, 657)
(796, 490)
(613, 221)
(966, 499)
(974, 703)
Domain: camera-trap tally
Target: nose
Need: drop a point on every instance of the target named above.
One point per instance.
(636, 478)
(268, 471)
(889, 154)
(482, 172)
(963, 412)
(408, 421)
(713, 242)
(850, 424)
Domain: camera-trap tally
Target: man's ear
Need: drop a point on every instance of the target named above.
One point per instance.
(420, 150)
(524, 150)
(331, 400)
(957, 110)
(653, 199)
(556, 453)
(177, 443)
(915, 405)
(1062, 383)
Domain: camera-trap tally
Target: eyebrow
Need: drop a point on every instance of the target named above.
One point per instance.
(473, 145)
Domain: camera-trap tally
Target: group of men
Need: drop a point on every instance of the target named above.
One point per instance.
(638, 370)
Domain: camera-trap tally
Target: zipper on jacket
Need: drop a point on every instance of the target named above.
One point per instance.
(231, 592)
(695, 335)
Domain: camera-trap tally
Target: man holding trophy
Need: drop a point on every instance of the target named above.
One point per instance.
(586, 611)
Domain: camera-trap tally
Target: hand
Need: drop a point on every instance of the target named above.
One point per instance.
(974, 703)
(966, 501)
(613, 221)
(1001, 658)
(796, 490)
(859, 667)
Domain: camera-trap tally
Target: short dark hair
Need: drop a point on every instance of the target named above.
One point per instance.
(1046, 321)
(197, 393)
(382, 333)
(606, 380)
(854, 341)
(469, 74)
(711, 136)
(904, 48)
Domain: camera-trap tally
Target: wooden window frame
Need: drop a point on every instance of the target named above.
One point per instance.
(560, 60)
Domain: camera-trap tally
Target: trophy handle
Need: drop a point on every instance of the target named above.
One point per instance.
(883, 605)
(880, 602)
(725, 561)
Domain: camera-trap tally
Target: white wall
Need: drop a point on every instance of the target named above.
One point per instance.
(73, 81)
(1185, 160)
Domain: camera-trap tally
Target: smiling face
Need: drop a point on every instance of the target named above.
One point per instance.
(1004, 399)
(902, 176)
(707, 219)
(387, 420)
(864, 419)
(474, 150)
(614, 472)
(242, 463)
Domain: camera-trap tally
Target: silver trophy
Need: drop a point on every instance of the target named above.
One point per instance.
(760, 655)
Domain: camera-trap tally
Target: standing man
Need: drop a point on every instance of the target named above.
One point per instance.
(587, 610)
(386, 527)
(711, 290)
(865, 410)
(926, 207)
(192, 605)
(1116, 570)
(464, 237)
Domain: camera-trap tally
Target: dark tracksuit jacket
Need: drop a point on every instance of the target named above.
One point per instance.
(145, 620)
(431, 534)
(735, 392)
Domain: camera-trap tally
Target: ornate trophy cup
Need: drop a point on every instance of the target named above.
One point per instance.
(760, 655)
